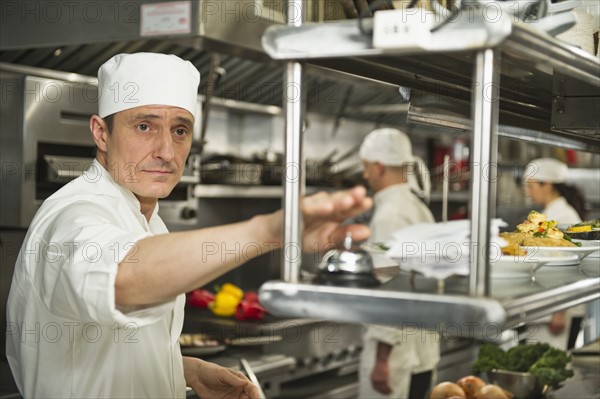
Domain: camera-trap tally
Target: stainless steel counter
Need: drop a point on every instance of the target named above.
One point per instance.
(411, 300)
(585, 384)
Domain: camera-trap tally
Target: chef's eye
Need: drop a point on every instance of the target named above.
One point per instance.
(143, 127)
(181, 131)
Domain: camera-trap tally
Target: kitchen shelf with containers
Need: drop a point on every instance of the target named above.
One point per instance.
(520, 83)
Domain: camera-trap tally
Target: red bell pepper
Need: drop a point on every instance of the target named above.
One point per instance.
(251, 296)
(249, 311)
(200, 298)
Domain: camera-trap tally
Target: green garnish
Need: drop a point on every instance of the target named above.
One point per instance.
(570, 239)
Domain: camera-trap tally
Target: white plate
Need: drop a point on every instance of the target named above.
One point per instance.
(587, 247)
(591, 243)
(509, 266)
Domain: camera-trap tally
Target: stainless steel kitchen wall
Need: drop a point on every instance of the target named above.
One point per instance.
(40, 118)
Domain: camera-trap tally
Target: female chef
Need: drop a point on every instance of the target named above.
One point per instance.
(545, 183)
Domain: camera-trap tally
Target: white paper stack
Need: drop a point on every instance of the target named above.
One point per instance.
(440, 250)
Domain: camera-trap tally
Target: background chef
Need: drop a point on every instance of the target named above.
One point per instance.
(395, 363)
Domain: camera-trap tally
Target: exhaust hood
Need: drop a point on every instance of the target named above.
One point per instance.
(232, 27)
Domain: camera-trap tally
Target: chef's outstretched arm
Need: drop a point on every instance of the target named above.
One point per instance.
(158, 268)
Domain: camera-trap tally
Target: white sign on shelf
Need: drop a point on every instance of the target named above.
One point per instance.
(173, 18)
(401, 29)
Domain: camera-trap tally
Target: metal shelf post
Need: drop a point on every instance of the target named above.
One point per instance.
(293, 175)
(484, 102)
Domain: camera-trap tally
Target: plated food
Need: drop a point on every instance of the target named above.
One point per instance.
(536, 231)
(199, 345)
(538, 238)
(588, 230)
(198, 340)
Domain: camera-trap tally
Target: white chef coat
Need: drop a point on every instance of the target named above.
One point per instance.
(414, 350)
(65, 336)
(560, 211)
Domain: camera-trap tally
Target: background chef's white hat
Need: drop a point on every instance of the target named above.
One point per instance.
(546, 170)
(393, 147)
(133, 80)
(387, 146)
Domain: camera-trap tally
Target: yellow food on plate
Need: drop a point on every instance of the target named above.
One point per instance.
(536, 231)
(546, 242)
(513, 249)
(579, 229)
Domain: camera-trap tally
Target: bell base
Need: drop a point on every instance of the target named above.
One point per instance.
(359, 280)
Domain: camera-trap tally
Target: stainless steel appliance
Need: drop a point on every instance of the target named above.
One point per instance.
(45, 140)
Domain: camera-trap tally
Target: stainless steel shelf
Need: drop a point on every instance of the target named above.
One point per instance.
(231, 191)
(533, 49)
(525, 72)
(453, 196)
(530, 60)
(225, 191)
(411, 300)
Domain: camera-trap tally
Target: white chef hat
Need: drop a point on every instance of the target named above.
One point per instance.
(387, 146)
(392, 147)
(548, 170)
(133, 80)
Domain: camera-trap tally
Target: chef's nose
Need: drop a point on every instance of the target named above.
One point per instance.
(164, 146)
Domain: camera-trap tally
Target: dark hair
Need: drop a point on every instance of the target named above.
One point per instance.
(573, 197)
(110, 122)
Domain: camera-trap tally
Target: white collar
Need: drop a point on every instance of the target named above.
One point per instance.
(111, 187)
(392, 191)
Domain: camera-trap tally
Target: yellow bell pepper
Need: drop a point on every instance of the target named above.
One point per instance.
(233, 290)
(224, 304)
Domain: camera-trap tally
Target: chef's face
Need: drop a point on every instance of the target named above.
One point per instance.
(372, 172)
(146, 149)
(538, 191)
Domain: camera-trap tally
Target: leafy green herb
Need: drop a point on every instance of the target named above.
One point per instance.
(542, 360)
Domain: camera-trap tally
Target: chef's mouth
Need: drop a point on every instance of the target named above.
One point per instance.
(161, 172)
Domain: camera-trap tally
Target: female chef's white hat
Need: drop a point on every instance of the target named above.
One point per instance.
(133, 80)
(548, 170)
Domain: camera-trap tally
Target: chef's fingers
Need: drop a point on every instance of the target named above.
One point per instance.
(338, 205)
(252, 392)
(359, 232)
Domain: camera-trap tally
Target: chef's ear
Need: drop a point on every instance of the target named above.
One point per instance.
(380, 168)
(99, 131)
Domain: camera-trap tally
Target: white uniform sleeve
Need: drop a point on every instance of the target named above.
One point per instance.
(77, 255)
(389, 335)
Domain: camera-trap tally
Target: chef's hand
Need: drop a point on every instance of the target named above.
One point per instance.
(380, 377)
(557, 323)
(324, 212)
(209, 380)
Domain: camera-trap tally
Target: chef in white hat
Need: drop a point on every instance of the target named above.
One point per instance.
(96, 303)
(545, 182)
(396, 362)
